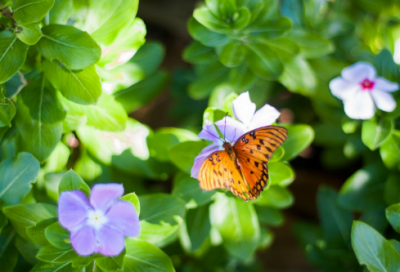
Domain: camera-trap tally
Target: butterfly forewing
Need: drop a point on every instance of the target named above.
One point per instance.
(253, 150)
(219, 171)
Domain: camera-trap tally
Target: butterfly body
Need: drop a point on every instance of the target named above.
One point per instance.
(242, 168)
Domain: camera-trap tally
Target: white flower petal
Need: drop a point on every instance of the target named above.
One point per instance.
(243, 108)
(356, 73)
(209, 132)
(342, 88)
(385, 85)
(360, 105)
(383, 100)
(265, 116)
(231, 128)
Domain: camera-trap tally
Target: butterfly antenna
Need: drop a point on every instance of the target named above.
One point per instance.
(212, 134)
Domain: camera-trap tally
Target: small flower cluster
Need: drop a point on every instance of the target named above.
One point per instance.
(249, 119)
(361, 90)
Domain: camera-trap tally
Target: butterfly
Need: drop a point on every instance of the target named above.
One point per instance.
(242, 168)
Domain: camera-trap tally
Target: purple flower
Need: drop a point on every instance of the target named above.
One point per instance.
(232, 129)
(98, 226)
(361, 90)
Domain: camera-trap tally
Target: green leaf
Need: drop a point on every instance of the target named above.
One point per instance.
(39, 119)
(105, 20)
(277, 155)
(31, 11)
(205, 17)
(133, 198)
(188, 189)
(58, 236)
(269, 29)
(7, 112)
(335, 221)
(159, 235)
(390, 151)
(72, 181)
(61, 11)
(374, 133)
(393, 216)
(372, 249)
(299, 137)
(8, 252)
(142, 92)
(196, 228)
(55, 267)
(58, 159)
(198, 53)
(268, 215)
(275, 196)
(280, 174)
(37, 232)
(161, 208)
(298, 77)
(391, 192)
(163, 139)
(52, 254)
(82, 87)
(385, 65)
(206, 36)
(364, 189)
(23, 216)
(114, 263)
(3, 221)
(107, 114)
(183, 154)
(69, 45)
(16, 178)
(143, 256)
(29, 34)
(27, 249)
(311, 45)
(263, 62)
(232, 54)
(12, 55)
(237, 224)
(241, 78)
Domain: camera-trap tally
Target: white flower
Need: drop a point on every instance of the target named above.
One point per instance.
(361, 90)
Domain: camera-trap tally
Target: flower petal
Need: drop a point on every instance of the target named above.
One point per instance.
(104, 194)
(111, 241)
(243, 108)
(356, 73)
(342, 88)
(360, 105)
(232, 128)
(73, 207)
(198, 161)
(385, 85)
(122, 216)
(265, 116)
(83, 240)
(383, 100)
(209, 132)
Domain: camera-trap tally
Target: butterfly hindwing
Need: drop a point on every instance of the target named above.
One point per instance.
(253, 150)
(219, 171)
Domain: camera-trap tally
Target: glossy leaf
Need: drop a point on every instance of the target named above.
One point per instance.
(39, 119)
(196, 228)
(263, 62)
(299, 137)
(16, 178)
(143, 256)
(280, 174)
(31, 11)
(52, 254)
(374, 133)
(183, 154)
(23, 216)
(69, 45)
(82, 87)
(390, 151)
(237, 223)
(37, 232)
(132, 198)
(72, 181)
(205, 35)
(268, 215)
(8, 252)
(58, 236)
(187, 188)
(372, 249)
(29, 34)
(232, 54)
(393, 216)
(61, 11)
(12, 55)
(275, 196)
(198, 53)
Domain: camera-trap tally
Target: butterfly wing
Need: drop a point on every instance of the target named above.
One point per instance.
(219, 171)
(253, 150)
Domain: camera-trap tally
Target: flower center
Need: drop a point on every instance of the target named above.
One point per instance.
(96, 218)
(367, 85)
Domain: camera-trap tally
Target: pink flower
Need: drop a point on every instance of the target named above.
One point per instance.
(101, 224)
(232, 129)
(361, 90)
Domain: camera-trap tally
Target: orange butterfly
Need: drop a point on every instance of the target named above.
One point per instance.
(242, 168)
